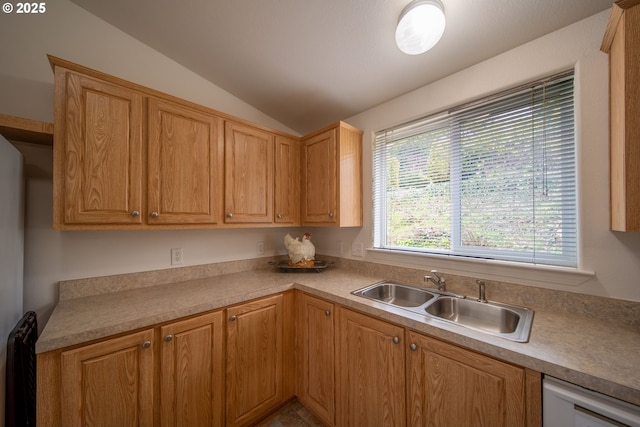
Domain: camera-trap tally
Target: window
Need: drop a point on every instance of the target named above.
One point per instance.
(491, 179)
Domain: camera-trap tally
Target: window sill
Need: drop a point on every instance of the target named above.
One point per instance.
(503, 271)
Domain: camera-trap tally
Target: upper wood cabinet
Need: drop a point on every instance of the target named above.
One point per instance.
(129, 157)
(185, 164)
(622, 43)
(248, 180)
(98, 158)
(331, 188)
(287, 181)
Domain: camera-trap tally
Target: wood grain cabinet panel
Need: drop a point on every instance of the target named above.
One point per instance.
(622, 43)
(98, 152)
(249, 168)
(451, 386)
(185, 164)
(331, 187)
(109, 383)
(316, 383)
(259, 358)
(287, 181)
(192, 373)
(371, 371)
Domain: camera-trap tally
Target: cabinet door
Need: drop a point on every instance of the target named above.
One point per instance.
(109, 383)
(192, 377)
(287, 181)
(316, 389)
(184, 164)
(451, 386)
(99, 154)
(319, 191)
(255, 345)
(248, 174)
(371, 371)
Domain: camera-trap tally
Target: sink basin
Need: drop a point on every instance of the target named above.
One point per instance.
(395, 294)
(493, 318)
(485, 316)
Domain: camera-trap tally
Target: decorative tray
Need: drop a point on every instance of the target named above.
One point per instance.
(284, 267)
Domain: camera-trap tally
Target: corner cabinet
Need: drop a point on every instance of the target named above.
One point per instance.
(622, 43)
(316, 356)
(331, 188)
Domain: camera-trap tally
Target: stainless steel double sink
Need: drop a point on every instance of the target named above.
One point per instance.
(503, 320)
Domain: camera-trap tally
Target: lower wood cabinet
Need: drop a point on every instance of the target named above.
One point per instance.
(109, 383)
(192, 372)
(452, 386)
(352, 370)
(260, 358)
(316, 356)
(371, 385)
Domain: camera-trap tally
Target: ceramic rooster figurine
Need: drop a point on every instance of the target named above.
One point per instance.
(301, 253)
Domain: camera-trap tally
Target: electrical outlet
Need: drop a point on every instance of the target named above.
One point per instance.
(339, 247)
(260, 248)
(357, 249)
(176, 256)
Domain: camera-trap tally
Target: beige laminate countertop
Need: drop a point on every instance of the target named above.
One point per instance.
(594, 354)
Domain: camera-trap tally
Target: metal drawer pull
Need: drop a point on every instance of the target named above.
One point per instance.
(413, 347)
(396, 340)
(146, 344)
(327, 313)
(168, 338)
(135, 213)
(233, 318)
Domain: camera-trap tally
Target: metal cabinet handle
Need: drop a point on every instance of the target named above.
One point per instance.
(146, 344)
(135, 213)
(413, 347)
(233, 318)
(168, 338)
(396, 340)
(230, 215)
(327, 313)
(330, 214)
(279, 216)
(155, 214)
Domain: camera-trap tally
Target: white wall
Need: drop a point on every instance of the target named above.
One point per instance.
(609, 261)
(11, 251)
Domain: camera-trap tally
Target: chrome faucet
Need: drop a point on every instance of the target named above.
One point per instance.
(481, 286)
(439, 281)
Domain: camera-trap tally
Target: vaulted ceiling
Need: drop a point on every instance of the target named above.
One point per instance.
(308, 63)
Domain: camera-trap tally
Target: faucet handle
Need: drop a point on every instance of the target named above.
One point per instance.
(438, 276)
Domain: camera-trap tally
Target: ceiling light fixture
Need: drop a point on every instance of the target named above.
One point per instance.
(420, 26)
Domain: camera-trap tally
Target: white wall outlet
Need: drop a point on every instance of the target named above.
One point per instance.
(260, 248)
(357, 249)
(339, 247)
(176, 256)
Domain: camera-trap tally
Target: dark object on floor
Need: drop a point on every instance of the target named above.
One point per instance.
(20, 396)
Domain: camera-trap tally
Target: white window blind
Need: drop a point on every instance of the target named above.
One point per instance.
(491, 179)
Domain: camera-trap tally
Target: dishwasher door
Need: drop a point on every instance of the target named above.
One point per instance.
(565, 404)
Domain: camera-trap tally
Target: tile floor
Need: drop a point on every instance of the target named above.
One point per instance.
(292, 415)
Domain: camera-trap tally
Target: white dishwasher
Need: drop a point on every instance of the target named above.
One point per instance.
(567, 405)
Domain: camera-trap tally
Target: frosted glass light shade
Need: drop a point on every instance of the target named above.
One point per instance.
(420, 26)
